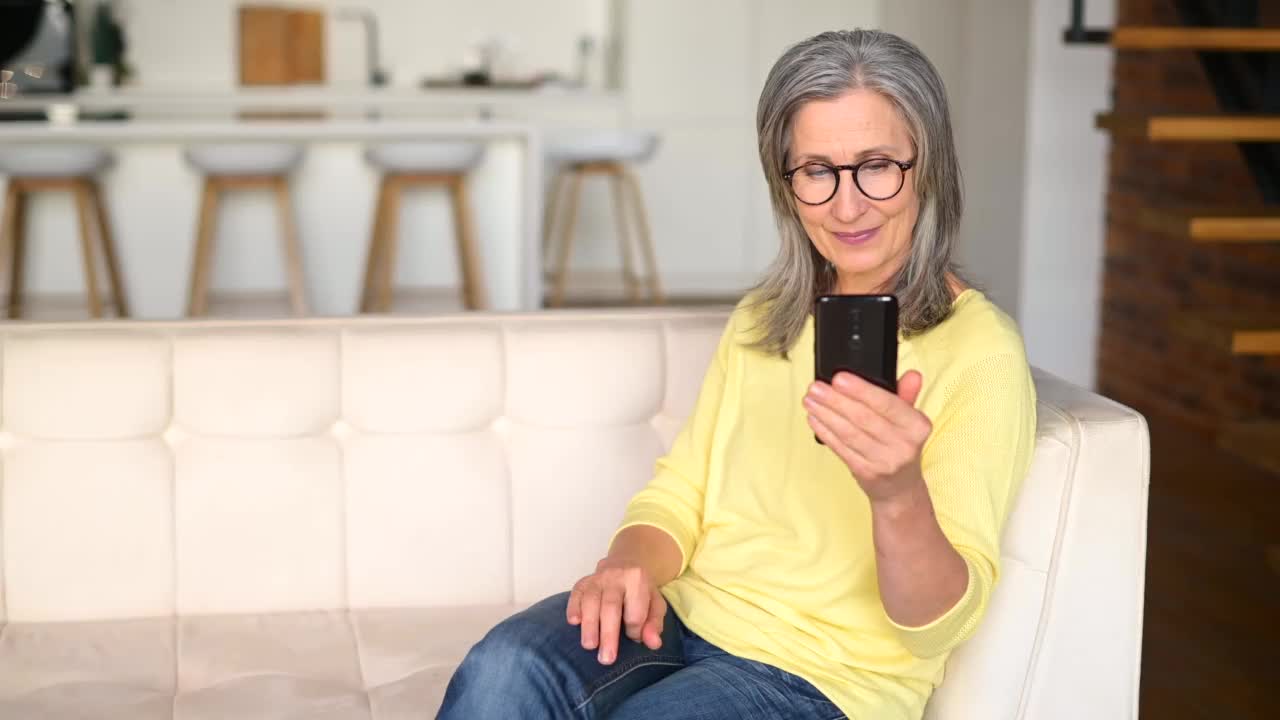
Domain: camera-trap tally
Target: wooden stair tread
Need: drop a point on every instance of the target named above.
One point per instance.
(1192, 128)
(1215, 225)
(1195, 38)
(1257, 441)
(1239, 333)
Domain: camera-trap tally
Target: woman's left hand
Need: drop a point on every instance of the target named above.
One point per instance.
(878, 435)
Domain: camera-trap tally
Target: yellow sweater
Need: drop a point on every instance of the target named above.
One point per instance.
(778, 562)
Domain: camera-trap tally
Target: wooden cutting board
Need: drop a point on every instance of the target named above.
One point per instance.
(281, 45)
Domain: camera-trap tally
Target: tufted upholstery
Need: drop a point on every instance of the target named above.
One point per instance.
(315, 519)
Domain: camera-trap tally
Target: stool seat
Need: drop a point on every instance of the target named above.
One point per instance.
(53, 161)
(606, 145)
(244, 158)
(427, 158)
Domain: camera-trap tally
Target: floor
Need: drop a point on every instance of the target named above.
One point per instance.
(1211, 645)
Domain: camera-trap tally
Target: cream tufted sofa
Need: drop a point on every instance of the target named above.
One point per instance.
(316, 519)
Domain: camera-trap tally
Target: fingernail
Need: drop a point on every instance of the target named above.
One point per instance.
(605, 658)
(816, 390)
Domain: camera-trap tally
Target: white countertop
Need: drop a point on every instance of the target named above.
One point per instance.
(312, 97)
(182, 130)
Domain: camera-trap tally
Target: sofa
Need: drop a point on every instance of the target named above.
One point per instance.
(317, 518)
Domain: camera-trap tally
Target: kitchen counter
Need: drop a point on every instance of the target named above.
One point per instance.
(143, 129)
(475, 99)
(152, 197)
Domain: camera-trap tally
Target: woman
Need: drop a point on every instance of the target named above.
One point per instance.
(760, 574)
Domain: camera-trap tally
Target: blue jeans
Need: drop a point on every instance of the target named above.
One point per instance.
(532, 666)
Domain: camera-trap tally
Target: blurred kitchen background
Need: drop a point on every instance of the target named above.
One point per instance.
(662, 91)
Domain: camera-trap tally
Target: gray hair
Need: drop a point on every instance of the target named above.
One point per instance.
(827, 66)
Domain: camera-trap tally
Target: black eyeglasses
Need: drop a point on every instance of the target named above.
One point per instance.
(814, 183)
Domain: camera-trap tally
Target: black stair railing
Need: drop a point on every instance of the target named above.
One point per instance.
(1243, 83)
(1077, 33)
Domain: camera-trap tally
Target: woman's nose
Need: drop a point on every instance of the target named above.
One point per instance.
(849, 201)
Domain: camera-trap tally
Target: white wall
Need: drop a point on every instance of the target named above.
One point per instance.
(1064, 224)
(980, 49)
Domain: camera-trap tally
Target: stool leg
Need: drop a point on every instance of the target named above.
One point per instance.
(201, 266)
(372, 267)
(108, 250)
(566, 242)
(629, 280)
(292, 248)
(390, 237)
(468, 255)
(84, 210)
(9, 238)
(646, 240)
(18, 276)
(551, 211)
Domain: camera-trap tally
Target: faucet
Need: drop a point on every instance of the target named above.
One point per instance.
(377, 76)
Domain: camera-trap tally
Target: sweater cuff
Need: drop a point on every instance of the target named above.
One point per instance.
(660, 520)
(956, 624)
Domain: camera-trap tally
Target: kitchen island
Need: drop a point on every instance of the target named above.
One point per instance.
(152, 196)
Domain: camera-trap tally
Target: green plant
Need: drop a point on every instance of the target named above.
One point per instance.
(106, 38)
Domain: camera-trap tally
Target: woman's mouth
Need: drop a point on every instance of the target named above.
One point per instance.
(856, 238)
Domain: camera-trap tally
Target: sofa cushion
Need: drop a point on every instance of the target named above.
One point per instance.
(380, 664)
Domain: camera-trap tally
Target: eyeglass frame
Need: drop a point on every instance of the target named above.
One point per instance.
(903, 165)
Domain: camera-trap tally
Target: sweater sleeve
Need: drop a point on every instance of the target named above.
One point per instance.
(974, 463)
(673, 499)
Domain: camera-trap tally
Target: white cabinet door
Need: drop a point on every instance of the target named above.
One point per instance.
(782, 24)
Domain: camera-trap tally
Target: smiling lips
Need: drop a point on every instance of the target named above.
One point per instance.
(856, 238)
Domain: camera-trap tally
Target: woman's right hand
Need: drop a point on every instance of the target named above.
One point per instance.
(618, 594)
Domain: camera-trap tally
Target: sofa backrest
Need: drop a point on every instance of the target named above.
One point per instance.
(153, 469)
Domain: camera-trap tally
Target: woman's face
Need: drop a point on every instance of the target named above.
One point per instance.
(866, 240)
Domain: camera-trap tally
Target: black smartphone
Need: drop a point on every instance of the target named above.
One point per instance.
(858, 334)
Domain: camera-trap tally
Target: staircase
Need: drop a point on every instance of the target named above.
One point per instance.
(1241, 61)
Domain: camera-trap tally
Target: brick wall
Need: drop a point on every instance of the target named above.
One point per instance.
(1151, 279)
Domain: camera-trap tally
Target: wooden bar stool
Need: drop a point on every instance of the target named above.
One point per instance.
(420, 164)
(62, 168)
(245, 166)
(609, 153)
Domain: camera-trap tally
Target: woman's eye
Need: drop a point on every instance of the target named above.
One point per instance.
(875, 166)
(817, 171)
